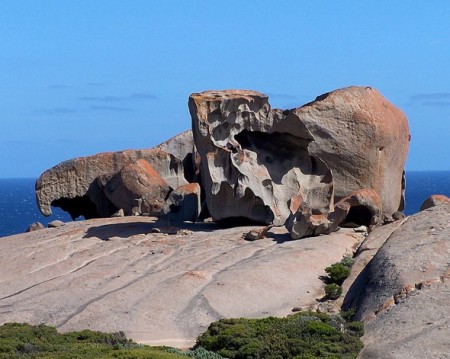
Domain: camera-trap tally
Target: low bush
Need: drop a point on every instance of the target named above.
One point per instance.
(41, 341)
(333, 291)
(303, 335)
(337, 273)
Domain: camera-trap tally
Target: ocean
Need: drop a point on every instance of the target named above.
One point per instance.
(18, 207)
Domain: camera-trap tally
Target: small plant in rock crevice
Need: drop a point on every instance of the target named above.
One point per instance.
(337, 273)
(333, 291)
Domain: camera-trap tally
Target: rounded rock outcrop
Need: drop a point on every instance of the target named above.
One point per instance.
(138, 188)
(363, 139)
(77, 185)
(434, 200)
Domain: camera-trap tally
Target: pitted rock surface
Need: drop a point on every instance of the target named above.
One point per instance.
(254, 159)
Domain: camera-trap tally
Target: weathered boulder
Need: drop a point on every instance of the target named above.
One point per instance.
(362, 207)
(363, 139)
(182, 147)
(77, 185)
(255, 159)
(402, 294)
(55, 224)
(183, 203)
(303, 222)
(35, 226)
(138, 188)
(434, 200)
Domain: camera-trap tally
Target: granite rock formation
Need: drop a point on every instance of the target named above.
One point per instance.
(77, 185)
(362, 207)
(255, 159)
(183, 204)
(182, 147)
(363, 139)
(256, 164)
(138, 188)
(114, 274)
(434, 200)
(402, 293)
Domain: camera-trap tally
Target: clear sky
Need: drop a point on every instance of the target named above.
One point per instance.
(88, 76)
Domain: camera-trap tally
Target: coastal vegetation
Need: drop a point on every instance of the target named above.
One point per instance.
(42, 341)
(303, 335)
(337, 273)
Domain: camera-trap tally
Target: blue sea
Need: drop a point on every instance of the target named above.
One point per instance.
(18, 207)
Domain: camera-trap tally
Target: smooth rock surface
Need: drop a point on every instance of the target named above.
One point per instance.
(114, 274)
(403, 293)
(56, 223)
(138, 188)
(363, 139)
(254, 160)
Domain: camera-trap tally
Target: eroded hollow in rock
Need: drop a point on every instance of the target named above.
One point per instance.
(278, 152)
(77, 207)
(360, 215)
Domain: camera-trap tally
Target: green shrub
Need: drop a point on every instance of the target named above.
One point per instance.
(347, 261)
(303, 335)
(333, 291)
(355, 327)
(337, 273)
(348, 314)
(41, 341)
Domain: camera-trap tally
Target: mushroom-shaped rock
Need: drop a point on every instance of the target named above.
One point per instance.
(183, 203)
(254, 159)
(77, 185)
(137, 188)
(363, 139)
(434, 200)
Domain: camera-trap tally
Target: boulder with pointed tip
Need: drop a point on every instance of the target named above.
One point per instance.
(434, 200)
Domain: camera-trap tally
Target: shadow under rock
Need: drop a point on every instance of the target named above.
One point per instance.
(125, 230)
(280, 237)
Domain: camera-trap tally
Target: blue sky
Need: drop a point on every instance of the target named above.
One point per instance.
(82, 77)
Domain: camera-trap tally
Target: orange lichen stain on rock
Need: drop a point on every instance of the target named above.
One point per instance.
(386, 306)
(189, 188)
(195, 274)
(151, 172)
(295, 203)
